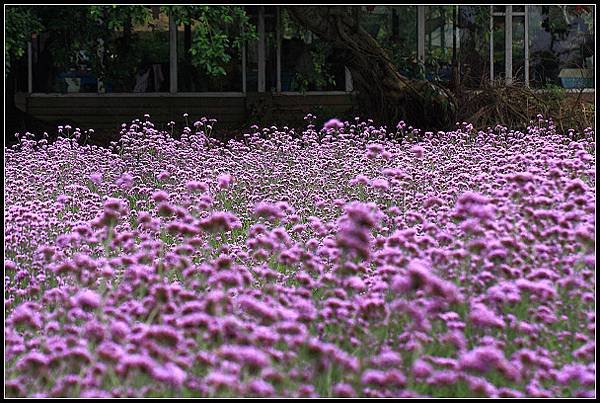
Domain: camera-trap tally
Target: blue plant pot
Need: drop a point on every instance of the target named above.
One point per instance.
(577, 82)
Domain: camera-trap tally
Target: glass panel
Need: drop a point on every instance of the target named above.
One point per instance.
(474, 55)
(19, 69)
(376, 21)
(561, 46)
(60, 63)
(307, 63)
(252, 53)
(395, 28)
(518, 9)
(140, 63)
(438, 42)
(192, 78)
(518, 49)
(499, 48)
(136, 58)
(45, 67)
(270, 49)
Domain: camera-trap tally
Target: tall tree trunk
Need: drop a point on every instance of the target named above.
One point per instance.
(384, 93)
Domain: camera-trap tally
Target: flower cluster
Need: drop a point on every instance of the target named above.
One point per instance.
(328, 262)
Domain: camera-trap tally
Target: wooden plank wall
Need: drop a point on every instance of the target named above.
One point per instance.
(109, 112)
(290, 109)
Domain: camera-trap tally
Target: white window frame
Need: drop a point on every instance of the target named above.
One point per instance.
(349, 87)
(508, 45)
(508, 15)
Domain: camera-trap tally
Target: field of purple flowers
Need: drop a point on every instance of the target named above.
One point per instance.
(327, 262)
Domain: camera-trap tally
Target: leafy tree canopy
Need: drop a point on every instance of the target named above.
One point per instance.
(90, 29)
(20, 23)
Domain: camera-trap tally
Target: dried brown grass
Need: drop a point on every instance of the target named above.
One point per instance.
(516, 105)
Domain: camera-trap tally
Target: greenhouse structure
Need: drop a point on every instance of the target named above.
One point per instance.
(540, 46)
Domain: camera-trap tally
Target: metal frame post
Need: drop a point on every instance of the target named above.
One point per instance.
(508, 45)
(421, 34)
(527, 45)
(261, 50)
(172, 54)
(492, 44)
(29, 68)
(348, 77)
(243, 64)
(278, 41)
